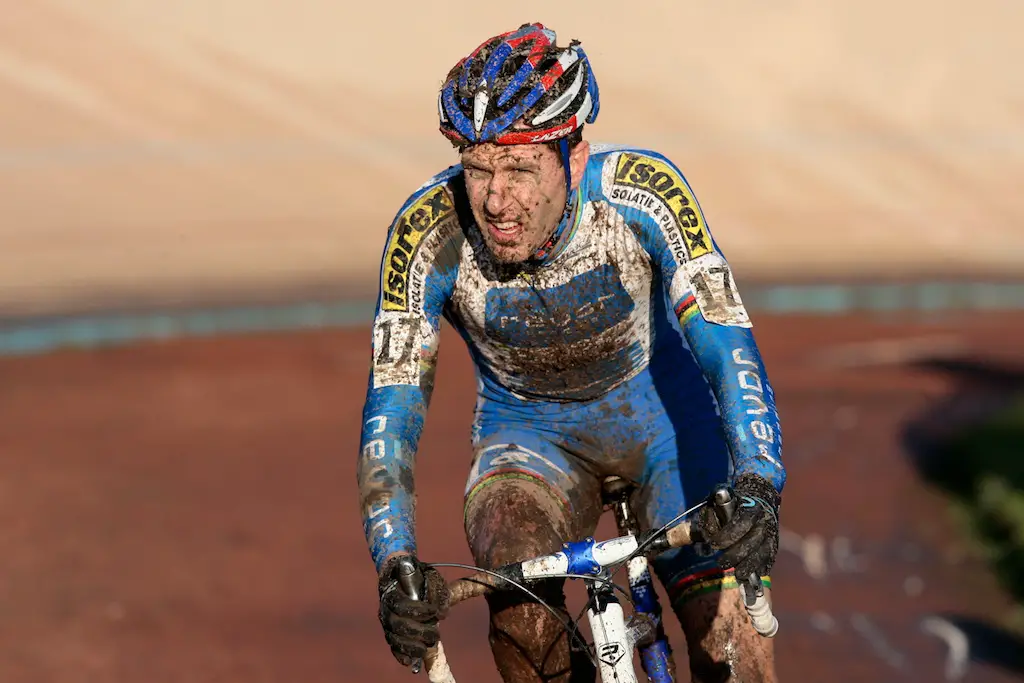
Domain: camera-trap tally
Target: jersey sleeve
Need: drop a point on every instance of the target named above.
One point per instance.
(418, 272)
(658, 202)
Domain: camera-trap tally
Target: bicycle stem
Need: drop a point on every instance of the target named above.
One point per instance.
(655, 653)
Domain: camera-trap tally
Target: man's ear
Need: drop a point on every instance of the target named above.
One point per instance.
(578, 162)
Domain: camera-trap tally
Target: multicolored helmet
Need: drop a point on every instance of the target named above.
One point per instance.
(519, 88)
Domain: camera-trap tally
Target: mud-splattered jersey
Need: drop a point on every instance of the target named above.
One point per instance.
(634, 272)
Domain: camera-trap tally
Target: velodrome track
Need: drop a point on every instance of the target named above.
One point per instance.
(153, 154)
(185, 511)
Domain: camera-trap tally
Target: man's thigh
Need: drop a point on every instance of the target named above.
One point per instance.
(525, 497)
(722, 644)
(681, 470)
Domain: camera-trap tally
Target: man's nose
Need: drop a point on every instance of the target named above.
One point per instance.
(497, 195)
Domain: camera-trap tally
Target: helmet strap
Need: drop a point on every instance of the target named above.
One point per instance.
(545, 250)
(563, 146)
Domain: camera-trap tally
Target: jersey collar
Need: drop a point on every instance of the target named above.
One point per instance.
(563, 233)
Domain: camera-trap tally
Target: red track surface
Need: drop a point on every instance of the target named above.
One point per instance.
(186, 512)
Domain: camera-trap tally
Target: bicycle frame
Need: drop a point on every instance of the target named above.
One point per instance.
(656, 656)
(588, 560)
(614, 637)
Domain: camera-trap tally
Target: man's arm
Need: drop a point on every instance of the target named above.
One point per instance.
(731, 363)
(417, 274)
(703, 292)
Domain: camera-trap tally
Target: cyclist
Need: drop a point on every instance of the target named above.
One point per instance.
(609, 338)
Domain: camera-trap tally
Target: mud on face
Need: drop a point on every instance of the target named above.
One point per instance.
(517, 196)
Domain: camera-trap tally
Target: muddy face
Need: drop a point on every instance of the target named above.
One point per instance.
(517, 194)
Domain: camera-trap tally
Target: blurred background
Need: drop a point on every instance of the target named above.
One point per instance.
(195, 198)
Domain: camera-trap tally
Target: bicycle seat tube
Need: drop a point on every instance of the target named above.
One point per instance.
(655, 654)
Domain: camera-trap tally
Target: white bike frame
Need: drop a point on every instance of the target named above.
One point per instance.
(613, 645)
(614, 640)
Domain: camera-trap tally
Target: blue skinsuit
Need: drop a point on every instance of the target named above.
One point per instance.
(626, 350)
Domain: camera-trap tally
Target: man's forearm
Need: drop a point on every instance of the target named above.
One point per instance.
(732, 364)
(392, 424)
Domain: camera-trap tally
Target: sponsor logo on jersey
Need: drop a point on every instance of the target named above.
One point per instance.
(398, 288)
(580, 310)
(657, 188)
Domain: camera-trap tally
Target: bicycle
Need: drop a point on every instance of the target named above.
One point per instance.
(596, 563)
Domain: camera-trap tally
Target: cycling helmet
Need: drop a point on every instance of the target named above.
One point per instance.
(518, 88)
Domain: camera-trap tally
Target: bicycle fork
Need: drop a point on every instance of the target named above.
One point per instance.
(655, 653)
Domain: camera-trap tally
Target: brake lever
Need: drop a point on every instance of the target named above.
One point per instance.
(724, 503)
(410, 580)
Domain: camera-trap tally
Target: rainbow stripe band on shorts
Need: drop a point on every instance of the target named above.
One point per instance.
(712, 580)
(495, 476)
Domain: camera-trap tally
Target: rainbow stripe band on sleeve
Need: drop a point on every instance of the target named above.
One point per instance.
(686, 309)
(709, 581)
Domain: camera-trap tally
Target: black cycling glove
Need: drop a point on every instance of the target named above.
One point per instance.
(410, 626)
(750, 541)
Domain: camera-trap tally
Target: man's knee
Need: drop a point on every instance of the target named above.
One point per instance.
(510, 520)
